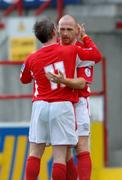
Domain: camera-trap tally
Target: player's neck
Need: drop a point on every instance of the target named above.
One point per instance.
(50, 42)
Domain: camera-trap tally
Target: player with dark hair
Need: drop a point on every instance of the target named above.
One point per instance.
(53, 117)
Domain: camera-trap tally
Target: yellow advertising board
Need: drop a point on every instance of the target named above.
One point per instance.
(21, 47)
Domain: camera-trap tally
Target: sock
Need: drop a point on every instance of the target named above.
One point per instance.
(71, 172)
(84, 166)
(32, 168)
(59, 171)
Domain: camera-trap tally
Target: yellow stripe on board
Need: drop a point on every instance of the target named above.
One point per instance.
(110, 174)
(44, 164)
(19, 157)
(6, 157)
(97, 149)
(97, 144)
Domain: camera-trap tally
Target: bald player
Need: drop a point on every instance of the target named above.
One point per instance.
(72, 33)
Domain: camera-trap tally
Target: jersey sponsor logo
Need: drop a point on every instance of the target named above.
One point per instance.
(87, 72)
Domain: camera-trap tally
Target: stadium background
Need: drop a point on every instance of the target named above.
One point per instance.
(103, 21)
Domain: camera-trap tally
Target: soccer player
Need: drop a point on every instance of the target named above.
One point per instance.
(52, 118)
(70, 31)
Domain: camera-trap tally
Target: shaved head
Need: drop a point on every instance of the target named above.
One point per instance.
(68, 18)
(68, 30)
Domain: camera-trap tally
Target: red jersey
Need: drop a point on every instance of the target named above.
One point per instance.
(87, 74)
(86, 70)
(51, 59)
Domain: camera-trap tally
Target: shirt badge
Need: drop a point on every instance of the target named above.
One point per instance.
(87, 72)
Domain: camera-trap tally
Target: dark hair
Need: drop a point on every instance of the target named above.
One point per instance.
(43, 29)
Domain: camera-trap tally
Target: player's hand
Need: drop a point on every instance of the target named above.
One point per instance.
(49, 76)
(56, 78)
(81, 30)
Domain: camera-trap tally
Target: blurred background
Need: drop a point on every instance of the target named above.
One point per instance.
(103, 22)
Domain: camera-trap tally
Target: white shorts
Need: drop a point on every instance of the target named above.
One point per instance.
(53, 123)
(83, 117)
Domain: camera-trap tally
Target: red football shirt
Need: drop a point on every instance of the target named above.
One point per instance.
(85, 71)
(52, 59)
(87, 74)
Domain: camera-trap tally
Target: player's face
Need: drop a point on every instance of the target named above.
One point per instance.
(68, 32)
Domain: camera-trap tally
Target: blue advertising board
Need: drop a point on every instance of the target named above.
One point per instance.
(32, 4)
(14, 148)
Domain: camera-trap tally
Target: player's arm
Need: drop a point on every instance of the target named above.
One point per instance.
(89, 43)
(89, 47)
(77, 83)
(25, 74)
(89, 54)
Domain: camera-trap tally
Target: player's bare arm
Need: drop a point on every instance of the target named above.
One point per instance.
(77, 83)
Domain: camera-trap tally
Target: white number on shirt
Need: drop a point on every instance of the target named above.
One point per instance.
(59, 66)
(36, 89)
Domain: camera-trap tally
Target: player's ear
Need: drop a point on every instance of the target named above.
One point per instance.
(54, 32)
